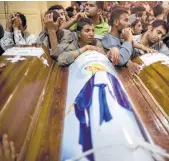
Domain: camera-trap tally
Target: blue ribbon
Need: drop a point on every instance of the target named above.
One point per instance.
(105, 114)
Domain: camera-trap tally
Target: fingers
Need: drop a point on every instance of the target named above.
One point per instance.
(116, 58)
(101, 50)
(82, 15)
(114, 55)
(133, 68)
(153, 51)
(86, 13)
(13, 152)
(5, 145)
(58, 20)
(7, 149)
(48, 18)
(51, 17)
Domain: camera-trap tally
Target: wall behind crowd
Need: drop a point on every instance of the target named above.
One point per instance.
(33, 11)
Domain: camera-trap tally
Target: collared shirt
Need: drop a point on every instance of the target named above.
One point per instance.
(11, 39)
(125, 49)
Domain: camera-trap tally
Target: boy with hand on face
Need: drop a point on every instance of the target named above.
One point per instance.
(15, 33)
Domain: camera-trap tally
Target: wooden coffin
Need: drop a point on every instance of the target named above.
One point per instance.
(32, 100)
(33, 97)
(149, 92)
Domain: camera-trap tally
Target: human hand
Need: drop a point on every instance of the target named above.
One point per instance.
(17, 23)
(113, 55)
(91, 47)
(7, 149)
(80, 15)
(133, 68)
(149, 50)
(9, 22)
(127, 34)
(50, 24)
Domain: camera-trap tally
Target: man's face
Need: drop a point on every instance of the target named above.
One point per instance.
(144, 17)
(151, 16)
(155, 34)
(137, 28)
(62, 14)
(87, 33)
(91, 8)
(123, 22)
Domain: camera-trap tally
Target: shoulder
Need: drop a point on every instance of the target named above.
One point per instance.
(66, 35)
(110, 38)
(109, 41)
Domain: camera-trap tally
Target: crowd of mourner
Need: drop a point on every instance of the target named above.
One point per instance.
(121, 31)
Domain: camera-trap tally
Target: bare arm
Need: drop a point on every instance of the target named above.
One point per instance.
(68, 24)
(52, 28)
(53, 39)
(68, 57)
(142, 47)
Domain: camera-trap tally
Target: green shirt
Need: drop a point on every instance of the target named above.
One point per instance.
(99, 29)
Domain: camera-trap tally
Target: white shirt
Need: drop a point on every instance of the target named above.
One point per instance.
(11, 39)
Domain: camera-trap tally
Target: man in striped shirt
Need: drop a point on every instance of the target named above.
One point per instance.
(16, 33)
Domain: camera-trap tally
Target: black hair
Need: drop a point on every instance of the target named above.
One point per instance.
(23, 19)
(158, 10)
(55, 7)
(70, 14)
(115, 14)
(100, 4)
(162, 23)
(138, 10)
(82, 22)
(70, 9)
(135, 22)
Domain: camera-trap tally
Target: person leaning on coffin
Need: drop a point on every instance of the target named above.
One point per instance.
(152, 38)
(16, 33)
(120, 52)
(70, 44)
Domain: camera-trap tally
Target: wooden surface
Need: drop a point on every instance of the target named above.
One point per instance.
(32, 106)
(32, 102)
(146, 107)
